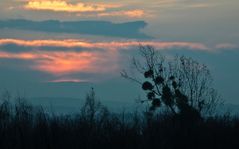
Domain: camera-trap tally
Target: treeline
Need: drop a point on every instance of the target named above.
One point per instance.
(23, 126)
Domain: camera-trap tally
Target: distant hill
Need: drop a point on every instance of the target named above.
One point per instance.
(72, 105)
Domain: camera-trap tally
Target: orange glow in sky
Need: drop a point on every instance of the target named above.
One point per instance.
(61, 62)
(61, 5)
(97, 57)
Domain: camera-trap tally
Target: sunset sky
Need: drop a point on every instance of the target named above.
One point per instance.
(46, 51)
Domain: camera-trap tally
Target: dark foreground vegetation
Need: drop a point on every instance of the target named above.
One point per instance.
(25, 127)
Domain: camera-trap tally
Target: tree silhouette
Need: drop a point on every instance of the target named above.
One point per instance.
(92, 108)
(182, 85)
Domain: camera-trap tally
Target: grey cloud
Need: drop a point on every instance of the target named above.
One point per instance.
(103, 28)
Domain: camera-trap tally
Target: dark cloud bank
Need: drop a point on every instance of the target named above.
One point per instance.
(104, 28)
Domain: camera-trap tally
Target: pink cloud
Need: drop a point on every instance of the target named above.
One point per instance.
(62, 63)
(70, 43)
(68, 80)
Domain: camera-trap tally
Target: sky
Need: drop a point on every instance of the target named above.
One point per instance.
(62, 48)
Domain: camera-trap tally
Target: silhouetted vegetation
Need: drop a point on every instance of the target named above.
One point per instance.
(23, 126)
(180, 84)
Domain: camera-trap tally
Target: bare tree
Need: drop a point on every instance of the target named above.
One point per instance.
(181, 84)
(92, 109)
(196, 82)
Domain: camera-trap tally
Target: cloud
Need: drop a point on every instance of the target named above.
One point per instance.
(64, 6)
(199, 5)
(124, 44)
(61, 63)
(62, 80)
(84, 9)
(92, 58)
(68, 43)
(88, 59)
(103, 28)
(130, 13)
